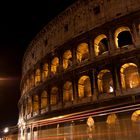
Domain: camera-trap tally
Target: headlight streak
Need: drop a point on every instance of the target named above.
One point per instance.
(83, 115)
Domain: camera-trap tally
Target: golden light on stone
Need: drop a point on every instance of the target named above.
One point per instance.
(67, 56)
(117, 32)
(98, 44)
(82, 52)
(54, 65)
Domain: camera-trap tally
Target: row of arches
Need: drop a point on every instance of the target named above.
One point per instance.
(111, 119)
(129, 76)
(111, 123)
(122, 38)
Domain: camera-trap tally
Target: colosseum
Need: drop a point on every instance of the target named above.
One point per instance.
(81, 75)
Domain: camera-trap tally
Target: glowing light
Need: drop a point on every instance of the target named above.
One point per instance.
(90, 121)
(8, 78)
(111, 89)
(54, 118)
(6, 130)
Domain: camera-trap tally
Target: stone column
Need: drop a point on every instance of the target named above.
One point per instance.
(91, 48)
(60, 62)
(49, 68)
(39, 102)
(75, 94)
(94, 85)
(111, 44)
(136, 36)
(31, 132)
(41, 72)
(60, 90)
(117, 83)
(74, 59)
(32, 106)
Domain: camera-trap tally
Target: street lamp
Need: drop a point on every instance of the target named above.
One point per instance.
(6, 130)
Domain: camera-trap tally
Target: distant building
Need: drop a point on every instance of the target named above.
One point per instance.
(81, 74)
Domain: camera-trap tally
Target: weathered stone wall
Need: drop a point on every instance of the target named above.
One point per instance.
(82, 16)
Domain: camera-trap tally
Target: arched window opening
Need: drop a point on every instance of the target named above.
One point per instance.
(136, 116)
(36, 103)
(123, 37)
(54, 96)
(44, 100)
(100, 44)
(45, 71)
(67, 59)
(35, 129)
(29, 105)
(129, 76)
(54, 65)
(35, 133)
(28, 130)
(82, 52)
(67, 91)
(84, 87)
(105, 81)
(112, 119)
(37, 76)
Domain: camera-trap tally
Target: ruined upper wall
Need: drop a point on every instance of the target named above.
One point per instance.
(80, 17)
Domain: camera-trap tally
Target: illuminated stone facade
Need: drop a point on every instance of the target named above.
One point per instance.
(87, 58)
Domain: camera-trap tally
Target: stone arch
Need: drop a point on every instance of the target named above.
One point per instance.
(100, 44)
(67, 59)
(54, 65)
(54, 95)
(28, 130)
(82, 52)
(84, 87)
(44, 99)
(29, 105)
(123, 37)
(37, 76)
(67, 91)
(112, 119)
(129, 76)
(35, 133)
(105, 81)
(136, 116)
(35, 103)
(45, 71)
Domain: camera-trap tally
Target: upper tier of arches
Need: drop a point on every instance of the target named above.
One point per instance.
(80, 54)
(81, 17)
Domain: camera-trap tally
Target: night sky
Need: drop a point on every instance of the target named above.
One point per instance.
(19, 23)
